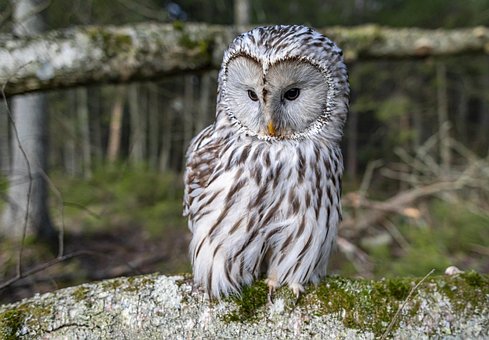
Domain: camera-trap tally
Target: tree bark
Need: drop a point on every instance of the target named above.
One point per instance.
(71, 159)
(160, 307)
(462, 109)
(153, 120)
(27, 209)
(188, 112)
(242, 11)
(4, 139)
(166, 136)
(94, 54)
(443, 121)
(352, 138)
(203, 117)
(96, 125)
(84, 121)
(115, 132)
(138, 133)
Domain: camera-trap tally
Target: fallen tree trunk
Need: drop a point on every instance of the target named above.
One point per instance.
(156, 307)
(95, 54)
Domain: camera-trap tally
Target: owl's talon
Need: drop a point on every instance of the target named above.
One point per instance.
(297, 289)
(271, 291)
(272, 285)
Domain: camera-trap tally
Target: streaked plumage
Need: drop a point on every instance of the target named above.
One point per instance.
(263, 183)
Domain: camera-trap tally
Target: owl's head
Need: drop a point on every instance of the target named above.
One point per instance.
(284, 82)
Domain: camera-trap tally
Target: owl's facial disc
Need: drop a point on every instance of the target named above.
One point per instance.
(284, 99)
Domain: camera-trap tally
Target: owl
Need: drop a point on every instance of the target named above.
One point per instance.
(263, 183)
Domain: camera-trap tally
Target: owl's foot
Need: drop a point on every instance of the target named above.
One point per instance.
(272, 285)
(297, 289)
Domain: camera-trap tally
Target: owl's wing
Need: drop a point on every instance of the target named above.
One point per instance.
(202, 159)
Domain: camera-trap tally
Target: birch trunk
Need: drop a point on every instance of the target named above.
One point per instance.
(27, 208)
(84, 121)
(153, 119)
(71, 160)
(242, 10)
(443, 121)
(113, 149)
(95, 54)
(138, 134)
(4, 139)
(96, 123)
(166, 137)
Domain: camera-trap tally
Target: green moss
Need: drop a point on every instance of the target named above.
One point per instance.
(13, 321)
(80, 293)
(474, 279)
(202, 46)
(178, 25)
(468, 292)
(111, 284)
(366, 305)
(252, 298)
(398, 288)
(371, 305)
(135, 283)
(113, 43)
(187, 41)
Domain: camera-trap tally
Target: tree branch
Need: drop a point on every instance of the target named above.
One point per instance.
(156, 306)
(96, 54)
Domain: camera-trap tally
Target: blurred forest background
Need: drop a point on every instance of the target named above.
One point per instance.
(416, 147)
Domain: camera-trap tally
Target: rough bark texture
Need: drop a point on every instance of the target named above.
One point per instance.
(85, 55)
(159, 307)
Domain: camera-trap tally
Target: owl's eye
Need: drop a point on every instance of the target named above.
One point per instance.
(252, 95)
(292, 94)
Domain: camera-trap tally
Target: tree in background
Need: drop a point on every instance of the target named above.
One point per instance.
(27, 194)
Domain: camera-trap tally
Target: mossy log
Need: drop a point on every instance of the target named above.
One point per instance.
(160, 307)
(96, 54)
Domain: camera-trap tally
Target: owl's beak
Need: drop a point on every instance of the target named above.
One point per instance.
(271, 129)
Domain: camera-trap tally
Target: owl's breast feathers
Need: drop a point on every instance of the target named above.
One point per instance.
(255, 205)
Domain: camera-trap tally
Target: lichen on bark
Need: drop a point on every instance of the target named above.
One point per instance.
(156, 306)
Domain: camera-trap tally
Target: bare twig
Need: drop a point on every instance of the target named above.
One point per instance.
(396, 316)
(43, 267)
(82, 207)
(396, 204)
(367, 177)
(132, 266)
(396, 234)
(360, 260)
